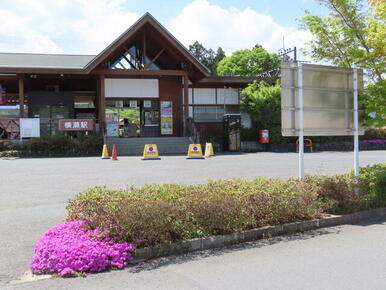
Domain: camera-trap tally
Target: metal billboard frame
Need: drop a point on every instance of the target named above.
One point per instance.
(329, 96)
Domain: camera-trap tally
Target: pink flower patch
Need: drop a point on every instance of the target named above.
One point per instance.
(70, 247)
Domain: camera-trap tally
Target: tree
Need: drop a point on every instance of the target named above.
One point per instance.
(248, 62)
(220, 55)
(350, 37)
(262, 102)
(207, 57)
(376, 103)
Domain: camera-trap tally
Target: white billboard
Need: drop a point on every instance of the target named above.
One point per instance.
(131, 88)
(29, 127)
(328, 100)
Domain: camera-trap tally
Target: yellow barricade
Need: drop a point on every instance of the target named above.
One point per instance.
(195, 152)
(150, 152)
(209, 152)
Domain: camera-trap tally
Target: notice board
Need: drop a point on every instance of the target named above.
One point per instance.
(29, 127)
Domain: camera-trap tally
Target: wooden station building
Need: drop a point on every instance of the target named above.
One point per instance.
(144, 84)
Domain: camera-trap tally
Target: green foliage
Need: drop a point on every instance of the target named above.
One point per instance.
(9, 154)
(126, 113)
(275, 136)
(262, 102)
(375, 97)
(353, 37)
(373, 184)
(169, 213)
(374, 134)
(207, 57)
(248, 62)
(348, 36)
(60, 145)
(172, 212)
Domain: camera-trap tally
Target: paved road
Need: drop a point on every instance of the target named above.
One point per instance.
(34, 192)
(345, 257)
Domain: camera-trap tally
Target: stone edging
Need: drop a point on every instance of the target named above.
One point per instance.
(211, 242)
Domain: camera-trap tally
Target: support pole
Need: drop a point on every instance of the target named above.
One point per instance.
(186, 104)
(301, 122)
(21, 95)
(102, 106)
(356, 127)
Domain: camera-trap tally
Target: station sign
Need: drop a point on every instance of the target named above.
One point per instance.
(76, 125)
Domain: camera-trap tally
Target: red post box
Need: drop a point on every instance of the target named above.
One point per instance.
(264, 136)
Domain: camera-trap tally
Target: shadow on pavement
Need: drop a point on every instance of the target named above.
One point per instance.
(198, 255)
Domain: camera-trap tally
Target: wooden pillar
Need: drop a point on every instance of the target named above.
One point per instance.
(21, 95)
(101, 103)
(186, 103)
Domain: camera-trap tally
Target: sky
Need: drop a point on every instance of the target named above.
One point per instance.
(88, 26)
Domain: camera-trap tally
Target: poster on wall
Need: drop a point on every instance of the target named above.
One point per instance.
(166, 118)
(112, 129)
(29, 127)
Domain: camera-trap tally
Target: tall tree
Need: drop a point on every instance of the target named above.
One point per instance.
(262, 102)
(207, 57)
(220, 55)
(353, 37)
(248, 62)
(348, 36)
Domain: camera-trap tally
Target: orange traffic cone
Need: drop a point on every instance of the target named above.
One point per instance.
(114, 155)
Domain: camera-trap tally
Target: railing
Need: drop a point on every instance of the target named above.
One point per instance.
(193, 130)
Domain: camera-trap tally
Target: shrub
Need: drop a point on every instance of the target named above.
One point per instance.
(168, 213)
(372, 185)
(9, 153)
(336, 193)
(70, 248)
(61, 145)
(90, 144)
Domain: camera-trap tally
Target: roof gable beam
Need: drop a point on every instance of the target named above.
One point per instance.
(139, 33)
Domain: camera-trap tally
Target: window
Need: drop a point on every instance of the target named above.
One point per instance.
(212, 114)
(84, 102)
(208, 113)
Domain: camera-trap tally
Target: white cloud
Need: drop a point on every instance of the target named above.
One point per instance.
(17, 36)
(232, 28)
(87, 27)
(71, 26)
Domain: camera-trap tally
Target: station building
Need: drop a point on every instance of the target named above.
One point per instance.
(144, 84)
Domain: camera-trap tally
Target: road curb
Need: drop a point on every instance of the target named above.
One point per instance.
(212, 242)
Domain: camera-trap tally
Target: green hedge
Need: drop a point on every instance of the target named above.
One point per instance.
(57, 145)
(168, 213)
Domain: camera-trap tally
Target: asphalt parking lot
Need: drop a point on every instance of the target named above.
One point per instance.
(34, 192)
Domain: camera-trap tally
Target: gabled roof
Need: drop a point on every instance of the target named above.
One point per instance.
(31, 60)
(146, 18)
(84, 64)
